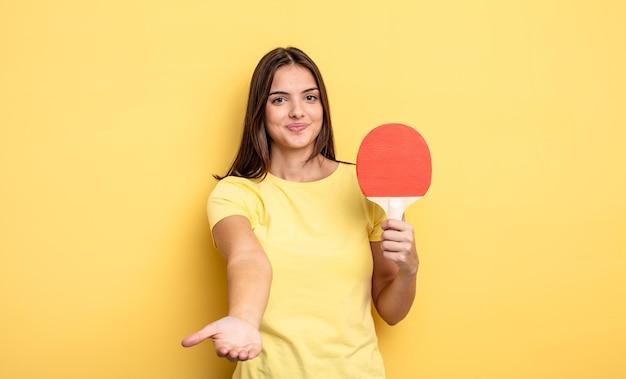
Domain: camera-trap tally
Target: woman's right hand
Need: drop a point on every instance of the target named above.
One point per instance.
(234, 339)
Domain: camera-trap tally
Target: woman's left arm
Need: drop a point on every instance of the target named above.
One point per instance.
(395, 271)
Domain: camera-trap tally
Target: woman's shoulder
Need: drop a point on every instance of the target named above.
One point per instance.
(347, 169)
(232, 179)
(235, 184)
(239, 180)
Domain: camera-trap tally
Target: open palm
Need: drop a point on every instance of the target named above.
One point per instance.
(233, 338)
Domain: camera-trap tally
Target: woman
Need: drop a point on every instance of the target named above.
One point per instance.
(306, 252)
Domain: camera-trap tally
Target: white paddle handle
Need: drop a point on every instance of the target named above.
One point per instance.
(394, 207)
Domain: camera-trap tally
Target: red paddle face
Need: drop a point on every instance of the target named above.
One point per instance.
(394, 161)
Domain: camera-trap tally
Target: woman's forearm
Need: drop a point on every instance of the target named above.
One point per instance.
(396, 298)
(249, 282)
(248, 269)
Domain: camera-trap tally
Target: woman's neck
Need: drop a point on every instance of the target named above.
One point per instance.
(301, 169)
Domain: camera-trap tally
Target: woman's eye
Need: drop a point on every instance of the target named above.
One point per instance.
(278, 100)
(311, 97)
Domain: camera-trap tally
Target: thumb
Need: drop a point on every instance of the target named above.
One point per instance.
(194, 339)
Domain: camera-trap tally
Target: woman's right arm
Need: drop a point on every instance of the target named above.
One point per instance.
(249, 275)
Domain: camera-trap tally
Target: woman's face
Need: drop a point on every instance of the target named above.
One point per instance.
(293, 112)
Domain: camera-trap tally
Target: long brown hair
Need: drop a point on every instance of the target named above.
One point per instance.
(253, 158)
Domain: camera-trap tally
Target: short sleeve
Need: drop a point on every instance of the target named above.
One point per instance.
(232, 196)
(376, 215)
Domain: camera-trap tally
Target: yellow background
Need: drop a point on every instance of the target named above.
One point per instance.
(114, 115)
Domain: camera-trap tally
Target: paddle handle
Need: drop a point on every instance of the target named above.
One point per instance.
(394, 207)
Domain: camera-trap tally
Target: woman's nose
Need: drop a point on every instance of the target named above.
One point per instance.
(296, 110)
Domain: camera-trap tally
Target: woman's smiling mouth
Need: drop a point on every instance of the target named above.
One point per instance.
(296, 127)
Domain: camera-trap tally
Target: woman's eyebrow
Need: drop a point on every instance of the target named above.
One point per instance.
(287, 93)
(278, 93)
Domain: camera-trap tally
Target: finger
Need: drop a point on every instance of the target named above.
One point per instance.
(222, 351)
(391, 224)
(248, 352)
(395, 256)
(194, 339)
(233, 355)
(242, 355)
(400, 245)
(254, 351)
(395, 246)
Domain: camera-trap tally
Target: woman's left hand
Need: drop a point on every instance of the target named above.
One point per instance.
(398, 244)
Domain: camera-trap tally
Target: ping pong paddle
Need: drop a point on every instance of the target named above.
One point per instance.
(393, 167)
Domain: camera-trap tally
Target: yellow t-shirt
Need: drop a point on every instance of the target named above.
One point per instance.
(318, 321)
